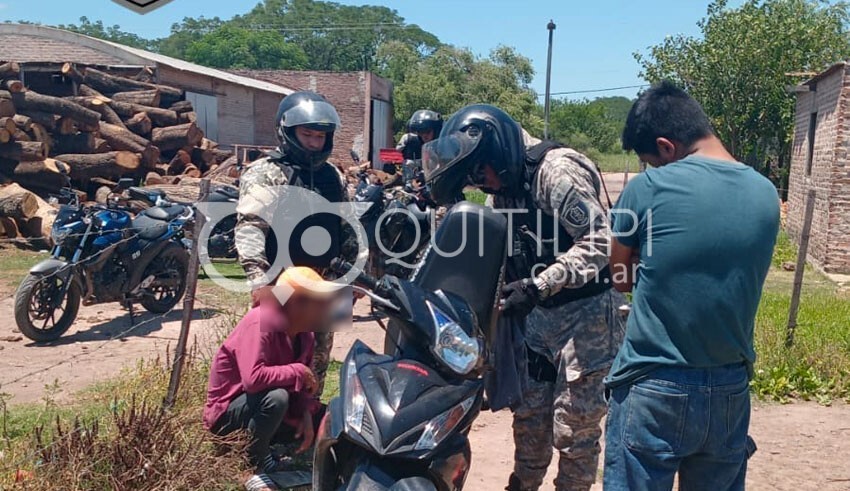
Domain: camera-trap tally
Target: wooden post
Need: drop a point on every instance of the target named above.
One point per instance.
(802, 252)
(188, 303)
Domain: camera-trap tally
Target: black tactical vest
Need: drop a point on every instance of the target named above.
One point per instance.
(539, 241)
(324, 181)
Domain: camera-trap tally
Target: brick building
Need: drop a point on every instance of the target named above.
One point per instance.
(232, 107)
(363, 99)
(820, 161)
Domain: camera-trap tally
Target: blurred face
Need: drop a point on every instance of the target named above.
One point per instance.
(311, 140)
(426, 136)
(307, 314)
(486, 178)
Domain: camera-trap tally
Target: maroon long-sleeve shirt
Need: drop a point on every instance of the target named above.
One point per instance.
(260, 355)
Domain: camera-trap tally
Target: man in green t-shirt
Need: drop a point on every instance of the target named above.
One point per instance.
(693, 237)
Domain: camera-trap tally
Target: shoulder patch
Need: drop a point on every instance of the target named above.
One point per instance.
(577, 215)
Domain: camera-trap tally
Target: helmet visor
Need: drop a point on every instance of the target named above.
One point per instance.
(318, 113)
(446, 151)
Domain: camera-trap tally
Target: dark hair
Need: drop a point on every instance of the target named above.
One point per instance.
(664, 111)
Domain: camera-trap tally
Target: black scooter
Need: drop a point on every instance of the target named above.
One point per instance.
(402, 420)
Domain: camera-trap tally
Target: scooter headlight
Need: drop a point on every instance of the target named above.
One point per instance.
(440, 427)
(453, 346)
(355, 399)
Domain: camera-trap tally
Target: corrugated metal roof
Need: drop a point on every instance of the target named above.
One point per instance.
(32, 43)
(825, 73)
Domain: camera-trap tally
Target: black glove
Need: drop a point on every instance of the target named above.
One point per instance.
(520, 297)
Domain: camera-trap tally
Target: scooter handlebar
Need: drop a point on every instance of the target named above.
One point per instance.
(343, 267)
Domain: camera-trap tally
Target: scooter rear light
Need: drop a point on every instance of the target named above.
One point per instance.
(355, 398)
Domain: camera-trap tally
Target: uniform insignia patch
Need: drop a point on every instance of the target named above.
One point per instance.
(577, 215)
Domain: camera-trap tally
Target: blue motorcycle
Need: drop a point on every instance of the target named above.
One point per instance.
(102, 254)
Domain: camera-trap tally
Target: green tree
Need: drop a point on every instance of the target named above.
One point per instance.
(334, 36)
(585, 126)
(112, 33)
(451, 78)
(740, 67)
(232, 47)
(185, 33)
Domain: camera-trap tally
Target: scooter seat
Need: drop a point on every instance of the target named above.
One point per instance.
(165, 213)
(149, 228)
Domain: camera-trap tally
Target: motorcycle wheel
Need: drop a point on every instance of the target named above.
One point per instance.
(36, 303)
(169, 269)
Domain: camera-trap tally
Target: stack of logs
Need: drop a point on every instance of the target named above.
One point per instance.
(114, 127)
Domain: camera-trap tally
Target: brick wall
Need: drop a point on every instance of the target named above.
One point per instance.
(829, 246)
(349, 92)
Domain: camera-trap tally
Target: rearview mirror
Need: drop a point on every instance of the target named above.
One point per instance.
(355, 156)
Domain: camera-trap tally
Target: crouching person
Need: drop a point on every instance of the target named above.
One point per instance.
(260, 379)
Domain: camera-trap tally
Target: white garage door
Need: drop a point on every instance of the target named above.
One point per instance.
(206, 109)
(382, 121)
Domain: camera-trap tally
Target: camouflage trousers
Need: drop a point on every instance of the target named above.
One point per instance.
(580, 340)
(322, 358)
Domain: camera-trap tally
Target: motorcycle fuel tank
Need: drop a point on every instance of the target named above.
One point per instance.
(111, 226)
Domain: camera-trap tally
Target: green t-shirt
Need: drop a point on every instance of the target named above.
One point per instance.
(706, 230)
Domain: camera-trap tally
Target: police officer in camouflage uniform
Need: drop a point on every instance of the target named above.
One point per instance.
(557, 276)
(305, 123)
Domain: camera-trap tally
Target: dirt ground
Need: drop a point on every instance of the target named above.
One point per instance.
(801, 446)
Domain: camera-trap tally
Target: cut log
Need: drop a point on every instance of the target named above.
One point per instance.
(102, 194)
(153, 178)
(70, 70)
(99, 103)
(219, 156)
(186, 191)
(201, 157)
(8, 123)
(47, 120)
(182, 107)
(40, 134)
(18, 203)
(110, 84)
(5, 135)
(208, 144)
(160, 117)
(174, 137)
(145, 75)
(65, 126)
(37, 102)
(100, 181)
(48, 175)
(112, 164)
(7, 107)
(121, 138)
(9, 228)
(101, 146)
(140, 124)
(41, 224)
(10, 70)
(85, 90)
(149, 97)
(178, 164)
(189, 117)
(22, 122)
(77, 143)
(192, 171)
(20, 135)
(23, 151)
(14, 86)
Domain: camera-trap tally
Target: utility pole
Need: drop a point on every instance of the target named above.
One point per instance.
(547, 103)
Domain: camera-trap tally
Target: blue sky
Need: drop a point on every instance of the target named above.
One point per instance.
(594, 40)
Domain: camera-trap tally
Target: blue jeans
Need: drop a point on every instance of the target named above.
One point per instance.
(685, 420)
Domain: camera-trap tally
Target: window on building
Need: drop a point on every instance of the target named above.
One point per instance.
(810, 155)
(206, 110)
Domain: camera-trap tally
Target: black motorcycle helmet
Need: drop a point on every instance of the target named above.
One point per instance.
(312, 111)
(473, 137)
(425, 120)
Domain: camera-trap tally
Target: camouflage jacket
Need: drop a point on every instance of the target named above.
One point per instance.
(565, 185)
(259, 189)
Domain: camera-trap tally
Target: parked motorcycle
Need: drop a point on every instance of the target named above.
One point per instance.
(398, 223)
(402, 421)
(104, 255)
(222, 243)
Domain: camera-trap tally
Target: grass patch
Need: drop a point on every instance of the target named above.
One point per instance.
(617, 162)
(16, 264)
(817, 367)
(475, 195)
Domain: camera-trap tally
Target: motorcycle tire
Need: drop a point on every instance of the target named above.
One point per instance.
(171, 263)
(25, 296)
